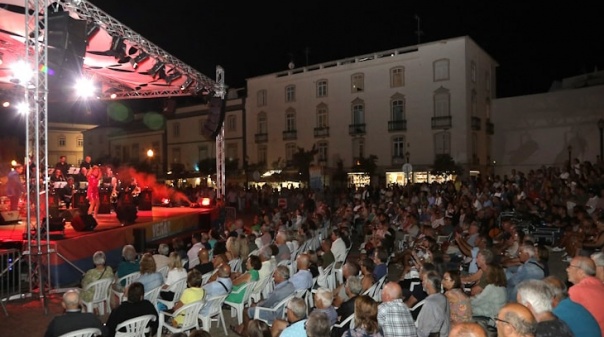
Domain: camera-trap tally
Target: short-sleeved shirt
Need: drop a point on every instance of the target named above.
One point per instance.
(190, 295)
(395, 319)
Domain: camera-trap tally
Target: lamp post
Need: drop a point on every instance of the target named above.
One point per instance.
(150, 154)
(601, 127)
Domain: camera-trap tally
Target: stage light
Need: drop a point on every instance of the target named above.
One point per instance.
(118, 47)
(6, 104)
(23, 108)
(159, 65)
(91, 30)
(22, 73)
(206, 202)
(85, 88)
(142, 56)
(187, 84)
(174, 75)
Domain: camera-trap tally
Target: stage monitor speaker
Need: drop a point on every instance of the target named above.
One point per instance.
(83, 222)
(66, 38)
(9, 217)
(126, 214)
(215, 118)
(140, 239)
(79, 200)
(104, 202)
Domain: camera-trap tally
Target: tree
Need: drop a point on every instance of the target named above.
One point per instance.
(445, 165)
(302, 160)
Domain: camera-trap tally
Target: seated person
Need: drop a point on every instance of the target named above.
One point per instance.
(73, 319)
(205, 265)
(135, 306)
(194, 292)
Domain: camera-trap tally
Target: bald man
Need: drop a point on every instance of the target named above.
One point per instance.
(205, 265)
(73, 318)
(303, 278)
(467, 329)
(221, 286)
(515, 320)
(394, 316)
(587, 290)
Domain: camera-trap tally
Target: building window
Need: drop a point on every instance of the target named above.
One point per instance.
(398, 147)
(290, 121)
(397, 77)
(442, 103)
(80, 142)
(176, 129)
(322, 151)
(261, 97)
(357, 83)
(358, 112)
(62, 141)
(203, 152)
(473, 71)
(231, 151)
(358, 148)
(262, 123)
(176, 155)
(442, 143)
(441, 70)
(290, 93)
(231, 123)
(322, 88)
(262, 151)
(397, 107)
(290, 150)
(322, 116)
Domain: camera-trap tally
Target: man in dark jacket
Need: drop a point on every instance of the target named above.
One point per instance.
(73, 319)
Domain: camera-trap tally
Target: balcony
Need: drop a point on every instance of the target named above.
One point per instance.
(490, 127)
(290, 135)
(399, 125)
(398, 160)
(476, 123)
(261, 137)
(356, 129)
(442, 122)
(322, 132)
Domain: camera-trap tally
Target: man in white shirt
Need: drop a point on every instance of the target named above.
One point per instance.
(338, 247)
(194, 250)
(303, 278)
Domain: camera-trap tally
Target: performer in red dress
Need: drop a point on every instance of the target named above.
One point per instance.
(93, 190)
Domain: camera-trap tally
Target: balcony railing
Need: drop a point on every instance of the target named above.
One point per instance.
(290, 135)
(261, 137)
(356, 129)
(476, 123)
(400, 125)
(490, 127)
(322, 132)
(442, 122)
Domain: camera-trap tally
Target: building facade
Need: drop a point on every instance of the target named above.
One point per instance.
(403, 106)
(66, 139)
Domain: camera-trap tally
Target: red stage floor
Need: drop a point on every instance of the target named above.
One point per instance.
(71, 253)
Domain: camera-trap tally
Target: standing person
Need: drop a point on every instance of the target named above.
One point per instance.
(93, 190)
(73, 319)
(86, 163)
(62, 166)
(394, 316)
(14, 187)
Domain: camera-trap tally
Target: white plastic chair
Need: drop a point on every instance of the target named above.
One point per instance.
(88, 332)
(152, 295)
(214, 305)
(193, 263)
(278, 310)
(177, 288)
(344, 322)
(337, 269)
(205, 277)
(164, 271)
(375, 290)
(122, 283)
(235, 265)
(256, 294)
(135, 327)
(189, 322)
(326, 278)
(237, 308)
(100, 298)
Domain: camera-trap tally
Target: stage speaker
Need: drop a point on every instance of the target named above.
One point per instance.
(145, 200)
(66, 38)
(140, 239)
(9, 217)
(126, 214)
(104, 201)
(68, 214)
(79, 200)
(54, 225)
(215, 118)
(83, 222)
(205, 222)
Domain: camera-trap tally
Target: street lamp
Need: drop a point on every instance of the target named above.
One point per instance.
(150, 154)
(601, 127)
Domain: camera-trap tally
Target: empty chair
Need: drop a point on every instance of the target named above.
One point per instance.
(134, 327)
(189, 312)
(237, 308)
(212, 309)
(100, 299)
(88, 332)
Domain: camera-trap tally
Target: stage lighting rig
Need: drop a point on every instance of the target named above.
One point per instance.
(118, 47)
(186, 84)
(155, 70)
(142, 56)
(174, 74)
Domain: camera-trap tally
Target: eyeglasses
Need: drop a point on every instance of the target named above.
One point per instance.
(497, 319)
(573, 266)
(447, 279)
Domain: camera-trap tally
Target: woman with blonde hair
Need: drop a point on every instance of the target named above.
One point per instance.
(232, 248)
(176, 272)
(365, 318)
(150, 277)
(92, 194)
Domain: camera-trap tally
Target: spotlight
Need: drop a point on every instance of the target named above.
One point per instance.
(142, 56)
(91, 30)
(187, 83)
(159, 65)
(118, 47)
(174, 75)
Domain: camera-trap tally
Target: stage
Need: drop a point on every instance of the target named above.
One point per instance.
(71, 251)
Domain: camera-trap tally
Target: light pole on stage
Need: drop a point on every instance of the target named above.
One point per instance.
(601, 128)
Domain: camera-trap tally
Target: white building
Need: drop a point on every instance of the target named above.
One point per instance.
(404, 104)
(66, 139)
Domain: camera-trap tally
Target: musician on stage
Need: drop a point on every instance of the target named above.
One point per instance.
(62, 166)
(68, 191)
(14, 187)
(134, 190)
(109, 182)
(93, 190)
(57, 175)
